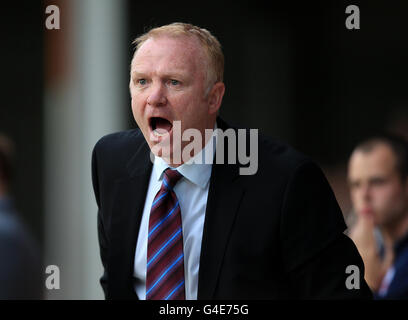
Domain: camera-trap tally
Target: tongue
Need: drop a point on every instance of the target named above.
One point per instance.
(163, 125)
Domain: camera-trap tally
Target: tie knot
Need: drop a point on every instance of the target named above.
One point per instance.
(171, 177)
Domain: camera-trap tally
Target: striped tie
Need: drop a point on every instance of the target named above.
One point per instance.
(165, 258)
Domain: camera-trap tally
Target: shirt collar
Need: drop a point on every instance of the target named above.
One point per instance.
(198, 173)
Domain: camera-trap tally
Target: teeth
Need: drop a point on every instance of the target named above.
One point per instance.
(160, 132)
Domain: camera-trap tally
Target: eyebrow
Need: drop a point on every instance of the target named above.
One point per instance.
(167, 75)
(136, 74)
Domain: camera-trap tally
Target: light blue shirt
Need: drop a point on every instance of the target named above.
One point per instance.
(192, 193)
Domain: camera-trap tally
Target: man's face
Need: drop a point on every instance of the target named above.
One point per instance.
(376, 188)
(168, 82)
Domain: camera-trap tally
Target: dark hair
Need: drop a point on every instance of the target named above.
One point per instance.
(6, 167)
(398, 145)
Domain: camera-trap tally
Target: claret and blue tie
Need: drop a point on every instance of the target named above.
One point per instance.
(165, 258)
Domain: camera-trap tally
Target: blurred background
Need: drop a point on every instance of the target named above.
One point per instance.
(292, 70)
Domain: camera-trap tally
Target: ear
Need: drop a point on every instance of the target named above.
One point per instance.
(215, 97)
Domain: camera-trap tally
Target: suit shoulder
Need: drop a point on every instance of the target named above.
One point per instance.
(271, 154)
(112, 152)
(282, 156)
(119, 141)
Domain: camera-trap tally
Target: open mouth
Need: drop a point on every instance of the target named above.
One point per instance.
(160, 126)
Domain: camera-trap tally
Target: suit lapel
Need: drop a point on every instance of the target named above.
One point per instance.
(224, 196)
(130, 194)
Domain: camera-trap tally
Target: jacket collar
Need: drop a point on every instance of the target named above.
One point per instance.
(224, 197)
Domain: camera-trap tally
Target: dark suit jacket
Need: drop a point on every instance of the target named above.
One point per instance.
(274, 235)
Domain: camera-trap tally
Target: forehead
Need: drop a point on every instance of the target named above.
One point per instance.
(165, 52)
(378, 161)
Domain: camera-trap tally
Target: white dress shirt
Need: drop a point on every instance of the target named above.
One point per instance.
(192, 193)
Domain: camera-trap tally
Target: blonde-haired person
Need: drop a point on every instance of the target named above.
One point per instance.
(210, 44)
(193, 230)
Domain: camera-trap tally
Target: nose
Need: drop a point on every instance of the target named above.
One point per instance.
(366, 192)
(157, 96)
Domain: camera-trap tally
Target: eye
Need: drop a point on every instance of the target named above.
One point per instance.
(174, 82)
(142, 82)
(378, 181)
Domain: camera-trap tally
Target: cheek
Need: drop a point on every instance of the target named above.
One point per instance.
(354, 198)
(357, 199)
(186, 106)
(388, 199)
(397, 200)
(137, 108)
